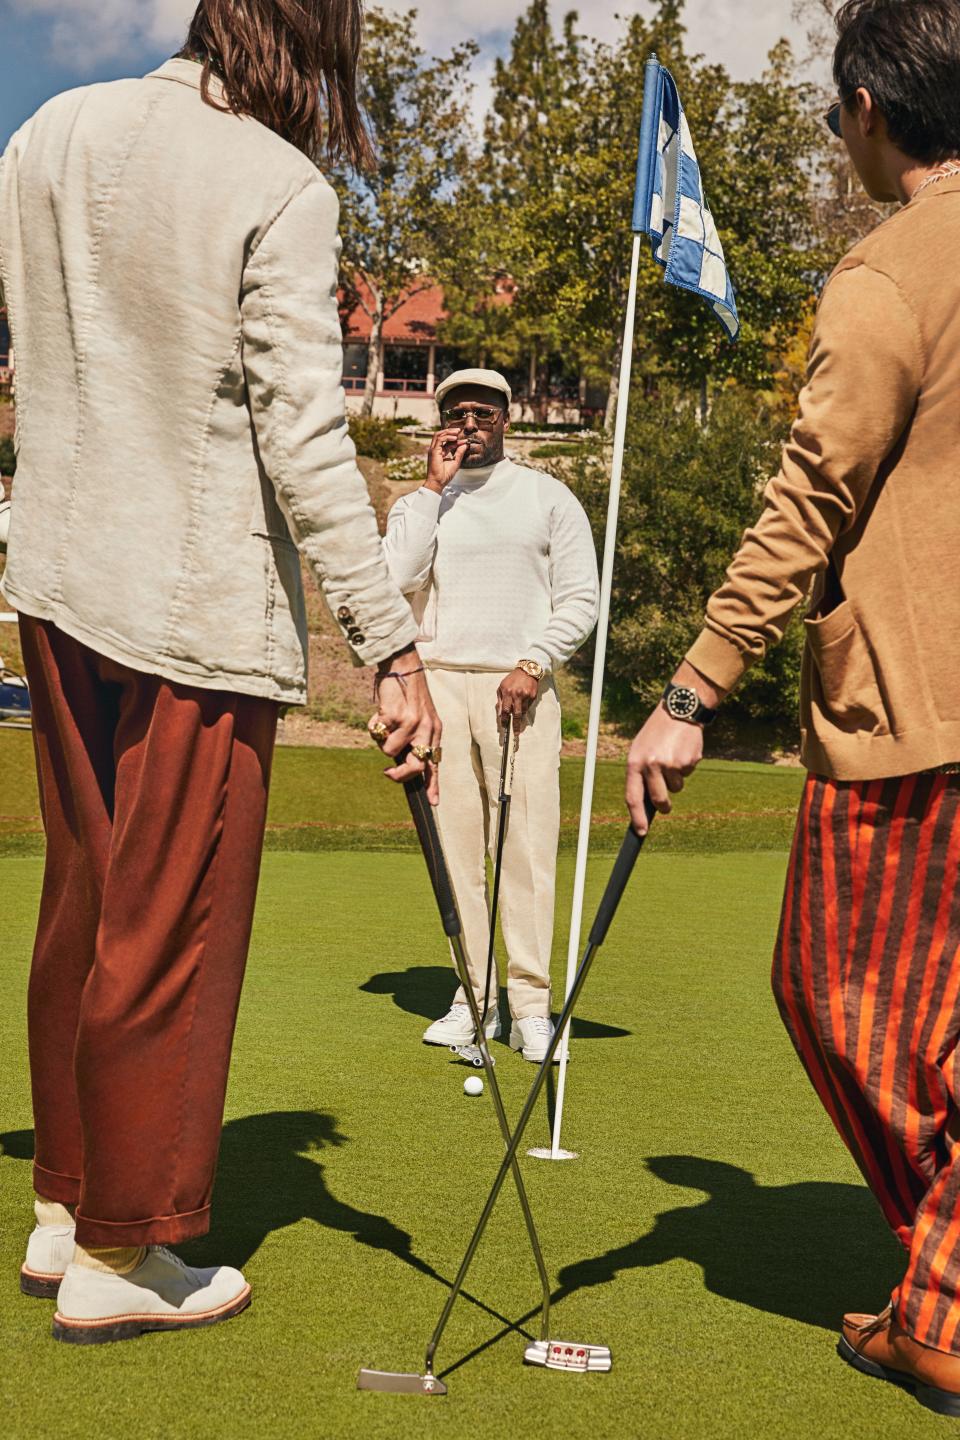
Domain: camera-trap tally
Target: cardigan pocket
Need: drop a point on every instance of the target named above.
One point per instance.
(844, 674)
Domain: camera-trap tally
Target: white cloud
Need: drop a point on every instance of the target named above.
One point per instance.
(85, 33)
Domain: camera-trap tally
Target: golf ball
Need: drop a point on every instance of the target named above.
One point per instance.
(473, 1085)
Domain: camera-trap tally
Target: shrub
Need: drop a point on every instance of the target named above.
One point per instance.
(404, 472)
(8, 459)
(689, 492)
(374, 438)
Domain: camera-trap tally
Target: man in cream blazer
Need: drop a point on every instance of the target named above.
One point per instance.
(170, 272)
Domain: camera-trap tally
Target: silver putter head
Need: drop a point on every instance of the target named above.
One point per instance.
(390, 1382)
(472, 1055)
(567, 1355)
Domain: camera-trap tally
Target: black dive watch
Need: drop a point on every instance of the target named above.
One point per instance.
(683, 703)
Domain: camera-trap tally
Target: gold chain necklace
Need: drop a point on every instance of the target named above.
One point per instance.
(942, 172)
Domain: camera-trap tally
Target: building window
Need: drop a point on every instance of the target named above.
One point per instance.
(405, 369)
(449, 360)
(355, 367)
(4, 341)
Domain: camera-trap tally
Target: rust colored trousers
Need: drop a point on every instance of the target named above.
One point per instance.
(867, 977)
(154, 803)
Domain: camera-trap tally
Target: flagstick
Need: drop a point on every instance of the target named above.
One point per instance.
(596, 693)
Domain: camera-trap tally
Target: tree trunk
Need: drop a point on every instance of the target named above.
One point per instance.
(374, 359)
(704, 404)
(543, 393)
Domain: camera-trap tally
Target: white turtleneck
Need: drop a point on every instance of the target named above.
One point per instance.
(501, 567)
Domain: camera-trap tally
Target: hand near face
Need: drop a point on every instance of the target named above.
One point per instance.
(444, 458)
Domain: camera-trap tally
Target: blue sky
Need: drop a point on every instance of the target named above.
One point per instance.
(52, 45)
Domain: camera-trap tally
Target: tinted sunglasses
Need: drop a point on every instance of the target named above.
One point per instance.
(832, 116)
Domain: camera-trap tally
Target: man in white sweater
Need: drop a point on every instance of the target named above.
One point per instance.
(500, 567)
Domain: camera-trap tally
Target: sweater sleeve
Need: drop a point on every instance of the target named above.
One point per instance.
(293, 360)
(574, 585)
(410, 543)
(863, 382)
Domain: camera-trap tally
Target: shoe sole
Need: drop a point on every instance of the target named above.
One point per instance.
(455, 1044)
(130, 1327)
(942, 1402)
(517, 1046)
(41, 1287)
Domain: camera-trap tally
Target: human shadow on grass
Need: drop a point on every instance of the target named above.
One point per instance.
(809, 1251)
(426, 990)
(268, 1178)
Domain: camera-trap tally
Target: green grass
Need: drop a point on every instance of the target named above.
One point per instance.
(711, 1232)
(336, 800)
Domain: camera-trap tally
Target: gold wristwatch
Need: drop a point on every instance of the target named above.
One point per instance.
(531, 668)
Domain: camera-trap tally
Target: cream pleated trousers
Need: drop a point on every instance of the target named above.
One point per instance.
(467, 816)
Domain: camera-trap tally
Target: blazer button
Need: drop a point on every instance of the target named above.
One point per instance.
(357, 638)
(345, 615)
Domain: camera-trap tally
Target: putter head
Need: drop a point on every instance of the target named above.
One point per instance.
(472, 1055)
(567, 1355)
(391, 1382)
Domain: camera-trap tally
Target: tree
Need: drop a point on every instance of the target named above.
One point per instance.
(689, 492)
(400, 215)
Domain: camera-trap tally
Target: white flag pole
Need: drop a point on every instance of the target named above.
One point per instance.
(596, 693)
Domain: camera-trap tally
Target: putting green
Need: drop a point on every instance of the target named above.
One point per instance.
(711, 1232)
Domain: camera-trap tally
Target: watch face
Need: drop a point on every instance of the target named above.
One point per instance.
(683, 703)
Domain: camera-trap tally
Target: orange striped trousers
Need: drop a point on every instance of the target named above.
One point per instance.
(867, 978)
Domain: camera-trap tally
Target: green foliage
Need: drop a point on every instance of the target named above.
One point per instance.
(398, 216)
(689, 493)
(8, 458)
(376, 439)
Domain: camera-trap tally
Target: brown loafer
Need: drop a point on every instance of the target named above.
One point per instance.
(876, 1345)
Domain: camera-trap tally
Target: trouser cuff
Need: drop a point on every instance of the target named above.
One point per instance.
(65, 1189)
(160, 1230)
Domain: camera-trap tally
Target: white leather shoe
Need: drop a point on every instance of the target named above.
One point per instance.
(49, 1252)
(162, 1293)
(532, 1037)
(456, 1027)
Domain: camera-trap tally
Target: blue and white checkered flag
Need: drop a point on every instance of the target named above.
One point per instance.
(670, 205)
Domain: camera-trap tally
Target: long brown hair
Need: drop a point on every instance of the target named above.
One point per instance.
(292, 65)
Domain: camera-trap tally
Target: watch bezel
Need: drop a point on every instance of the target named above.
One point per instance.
(679, 706)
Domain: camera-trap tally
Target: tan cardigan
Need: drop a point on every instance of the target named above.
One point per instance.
(867, 505)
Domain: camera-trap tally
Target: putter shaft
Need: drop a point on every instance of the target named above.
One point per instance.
(629, 852)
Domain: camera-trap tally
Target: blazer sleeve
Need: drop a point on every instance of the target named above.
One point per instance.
(863, 382)
(293, 363)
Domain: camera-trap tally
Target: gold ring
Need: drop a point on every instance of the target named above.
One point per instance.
(437, 754)
(422, 752)
(379, 732)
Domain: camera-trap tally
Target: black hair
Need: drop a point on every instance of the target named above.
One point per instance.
(906, 53)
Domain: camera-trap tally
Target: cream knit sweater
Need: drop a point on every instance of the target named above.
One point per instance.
(501, 567)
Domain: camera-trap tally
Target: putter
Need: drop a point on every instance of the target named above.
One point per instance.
(426, 826)
(553, 1354)
(472, 1053)
(547, 1353)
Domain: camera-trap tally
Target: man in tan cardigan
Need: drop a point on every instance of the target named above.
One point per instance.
(866, 508)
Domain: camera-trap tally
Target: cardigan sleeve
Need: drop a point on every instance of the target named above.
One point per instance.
(863, 382)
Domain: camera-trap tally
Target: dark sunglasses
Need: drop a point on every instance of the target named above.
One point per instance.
(832, 116)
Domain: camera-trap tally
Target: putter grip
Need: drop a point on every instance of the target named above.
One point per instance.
(429, 836)
(622, 870)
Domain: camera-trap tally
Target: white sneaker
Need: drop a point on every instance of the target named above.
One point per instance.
(162, 1293)
(532, 1037)
(456, 1027)
(49, 1252)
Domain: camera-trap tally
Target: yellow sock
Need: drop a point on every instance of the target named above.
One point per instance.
(51, 1212)
(111, 1260)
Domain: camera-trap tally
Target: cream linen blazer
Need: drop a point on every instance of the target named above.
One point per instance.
(170, 273)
